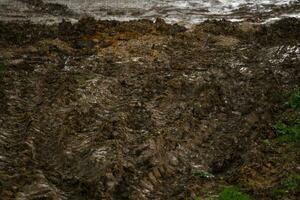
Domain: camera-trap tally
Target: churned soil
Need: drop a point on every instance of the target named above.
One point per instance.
(133, 110)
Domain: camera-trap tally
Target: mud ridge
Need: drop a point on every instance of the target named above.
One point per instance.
(49, 8)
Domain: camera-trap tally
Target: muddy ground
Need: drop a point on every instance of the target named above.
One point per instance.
(143, 110)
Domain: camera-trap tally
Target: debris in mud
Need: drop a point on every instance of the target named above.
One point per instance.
(146, 110)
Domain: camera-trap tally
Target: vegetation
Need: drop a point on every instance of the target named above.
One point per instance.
(232, 193)
(291, 182)
(203, 174)
(289, 131)
(229, 193)
(294, 99)
(288, 185)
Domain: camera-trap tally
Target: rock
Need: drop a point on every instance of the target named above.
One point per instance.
(16, 62)
(95, 41)
(173, 160)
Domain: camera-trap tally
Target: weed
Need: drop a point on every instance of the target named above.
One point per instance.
(294, 99)
(291, 182)
(278, 193)
(288, 132)
(287, 186)
(232, 193)
(197, 198)
(266, 142)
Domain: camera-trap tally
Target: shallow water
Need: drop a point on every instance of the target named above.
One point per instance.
(180, 11)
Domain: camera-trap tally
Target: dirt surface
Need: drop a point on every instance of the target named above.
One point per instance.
(135, 110)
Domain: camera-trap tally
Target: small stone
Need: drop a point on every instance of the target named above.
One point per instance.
(16, 61)
(173, 160)
(95, 40)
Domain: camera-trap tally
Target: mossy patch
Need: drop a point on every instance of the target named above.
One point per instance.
(232, 193)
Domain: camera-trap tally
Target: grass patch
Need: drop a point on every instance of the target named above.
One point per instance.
(229, 193)
(288, 185)
(288, 132)
(232, 193)
(266, 142)
(294, 99)
(292, 182)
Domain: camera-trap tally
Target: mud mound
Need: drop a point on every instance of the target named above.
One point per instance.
(283, 31)
(144, 110)
(23, 33)
(49, 8)
(222, 27)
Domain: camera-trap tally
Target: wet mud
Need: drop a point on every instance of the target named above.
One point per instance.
(135, 110)
(39, 6)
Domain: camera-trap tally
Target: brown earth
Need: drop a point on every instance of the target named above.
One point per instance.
(131, 110)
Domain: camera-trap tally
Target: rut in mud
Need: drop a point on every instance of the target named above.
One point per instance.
(131, 110)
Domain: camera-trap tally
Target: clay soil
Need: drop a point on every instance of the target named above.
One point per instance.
(135, 110)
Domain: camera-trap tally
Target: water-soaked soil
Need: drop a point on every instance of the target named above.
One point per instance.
(185, 12)
(133, 110)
